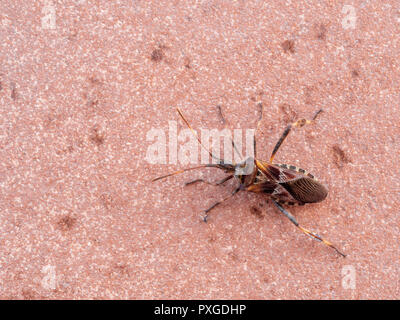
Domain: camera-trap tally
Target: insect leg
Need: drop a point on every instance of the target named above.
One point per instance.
(225, 122)
(220, 113)
(299, 123)
(210, 165)
(308, 232)
(219, 202)
(218, 183)
(196, 136)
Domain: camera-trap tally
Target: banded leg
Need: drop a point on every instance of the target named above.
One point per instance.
(219, 202)
(218, 183)
(308, 232)
(299, 123)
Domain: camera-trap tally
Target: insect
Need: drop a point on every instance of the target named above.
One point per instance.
(284, 184)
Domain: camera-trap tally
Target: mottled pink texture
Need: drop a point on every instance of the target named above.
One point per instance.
(82, 82)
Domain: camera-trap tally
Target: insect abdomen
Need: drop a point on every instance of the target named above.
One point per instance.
(305, 189)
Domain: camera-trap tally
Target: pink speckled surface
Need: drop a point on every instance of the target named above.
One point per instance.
(82, 82)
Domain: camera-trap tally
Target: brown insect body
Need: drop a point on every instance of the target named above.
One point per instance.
(284, 184)
(287, 184)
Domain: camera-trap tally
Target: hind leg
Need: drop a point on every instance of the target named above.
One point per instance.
(307, 232)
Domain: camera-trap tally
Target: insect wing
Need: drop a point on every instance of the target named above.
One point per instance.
(305, 189)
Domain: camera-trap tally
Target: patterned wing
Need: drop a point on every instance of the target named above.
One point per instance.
(305, 189)
(301, 186)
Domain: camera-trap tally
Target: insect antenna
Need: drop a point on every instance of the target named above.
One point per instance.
(233, 143)
(211, 165)
(196, 136)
